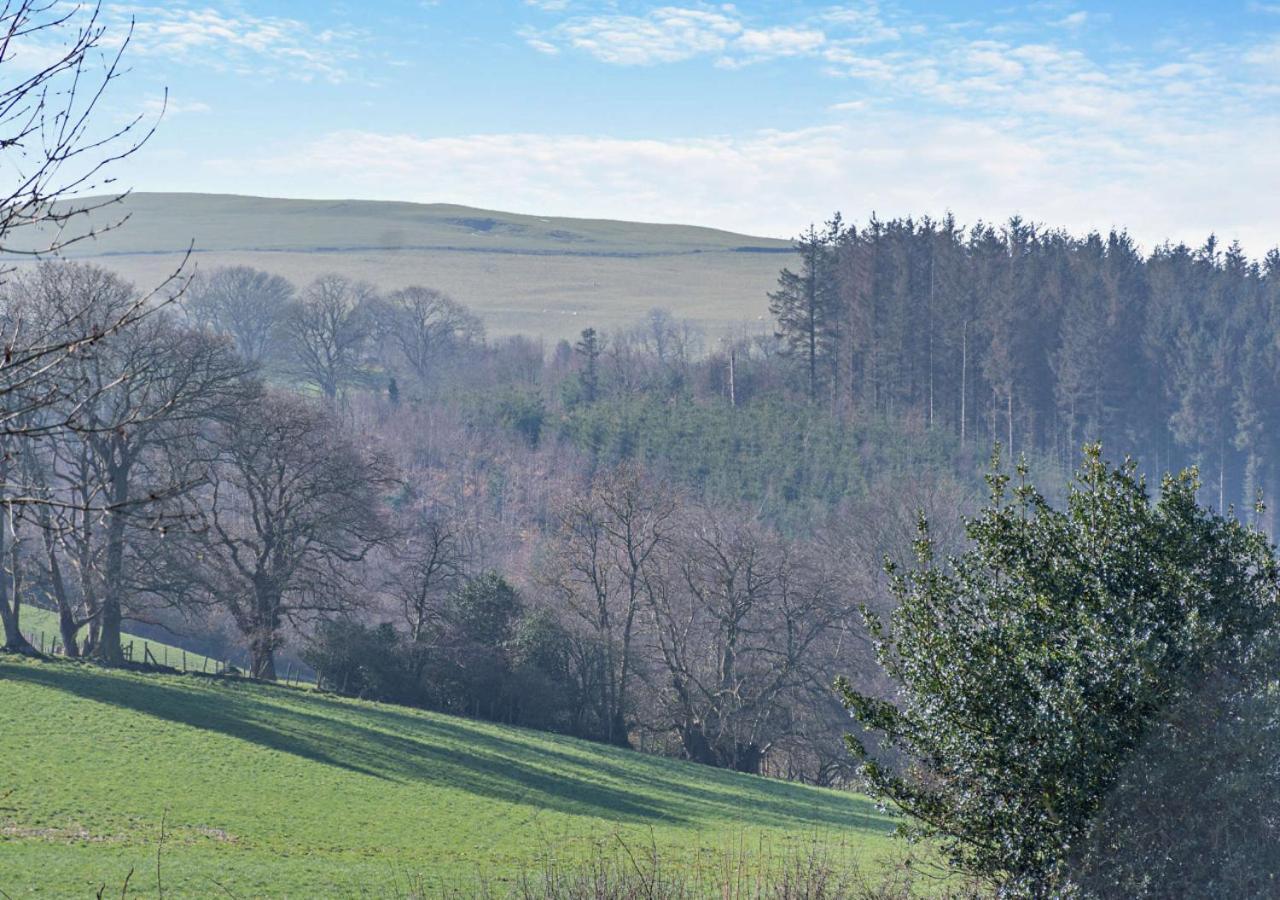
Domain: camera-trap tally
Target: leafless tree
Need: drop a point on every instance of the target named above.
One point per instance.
(291, 507)
(56, 158)
(430, 560)
(124, 409)
(736, 620)
(326, 331)
(246, 304)
(427, 326)
(602, 563)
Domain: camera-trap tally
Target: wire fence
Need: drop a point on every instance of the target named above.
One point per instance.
(140, 651)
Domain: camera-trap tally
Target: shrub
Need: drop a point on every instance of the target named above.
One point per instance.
(1032, 668)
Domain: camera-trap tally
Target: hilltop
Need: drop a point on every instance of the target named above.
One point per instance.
(523, 273)
(264, 788)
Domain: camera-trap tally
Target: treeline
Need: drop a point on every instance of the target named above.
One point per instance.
(1043, 341)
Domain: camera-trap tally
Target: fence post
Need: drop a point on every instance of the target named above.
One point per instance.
(184, 660)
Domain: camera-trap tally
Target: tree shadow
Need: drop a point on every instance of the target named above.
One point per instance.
(694, 793)
(250, 713)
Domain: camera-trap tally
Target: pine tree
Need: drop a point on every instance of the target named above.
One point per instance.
(805, 304)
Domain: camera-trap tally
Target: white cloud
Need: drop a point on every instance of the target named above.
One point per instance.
(771, 43)
(665, 35)
(1161, 184)
(271, 46)
(671, 34)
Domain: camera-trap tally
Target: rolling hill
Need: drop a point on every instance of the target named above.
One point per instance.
(538, 275)
(264, 790)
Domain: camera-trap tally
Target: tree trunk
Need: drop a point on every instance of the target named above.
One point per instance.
(10, 600)
(262, 659)
(108, 647)
(263, 630)
(67, 625)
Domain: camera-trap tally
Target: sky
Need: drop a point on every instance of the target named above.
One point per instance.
(758, 116)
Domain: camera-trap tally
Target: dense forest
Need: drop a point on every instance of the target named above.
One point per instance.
(1042, 341)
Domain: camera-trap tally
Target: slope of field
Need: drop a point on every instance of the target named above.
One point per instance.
(522, 273)
(273, 791)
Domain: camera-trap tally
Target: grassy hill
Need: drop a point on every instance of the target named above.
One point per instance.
(525, 273)
(271, 790)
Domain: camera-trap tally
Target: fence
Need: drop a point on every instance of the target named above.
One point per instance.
(182, 661)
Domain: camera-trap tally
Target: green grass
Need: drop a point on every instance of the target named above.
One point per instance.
(273, 791)
(536, 275)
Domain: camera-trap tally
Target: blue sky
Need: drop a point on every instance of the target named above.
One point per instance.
(755, 116)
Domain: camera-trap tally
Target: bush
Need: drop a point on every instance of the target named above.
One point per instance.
(360, 661)
(1033, 668)
(488, 658)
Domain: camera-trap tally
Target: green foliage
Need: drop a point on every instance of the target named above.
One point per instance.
(270, 791)
(484, 611)
(785, 459)
(1195, 812)
(523, 412)
(359, 660)
(1032, 667)
(487, 656)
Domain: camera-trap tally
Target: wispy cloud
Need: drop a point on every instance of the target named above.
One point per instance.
(241, 42)
(671, 34)
(665, 35)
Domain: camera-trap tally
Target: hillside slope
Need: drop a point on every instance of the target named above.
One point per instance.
(522, 273)
(274, 791)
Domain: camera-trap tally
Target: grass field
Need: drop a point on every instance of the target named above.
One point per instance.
(549, 277)
(275, 791)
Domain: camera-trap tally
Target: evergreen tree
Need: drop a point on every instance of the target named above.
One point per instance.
(805, 304)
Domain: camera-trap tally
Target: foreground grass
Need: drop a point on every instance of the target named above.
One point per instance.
(269, 791)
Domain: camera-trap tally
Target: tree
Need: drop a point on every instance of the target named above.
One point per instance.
(50, 127)
(427, 326)
(327, 330)
(291, 506)
(248, 305)
(1032, 666)
(805, 303)
(112, 427)
(56, 74)
(736, 622)
(431, 562)
(589, 348)
(603, 561)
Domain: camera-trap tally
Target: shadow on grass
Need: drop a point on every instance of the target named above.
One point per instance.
(252, 713)
(684, 789)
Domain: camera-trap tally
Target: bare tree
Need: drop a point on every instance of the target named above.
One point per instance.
(427, 326)
(431, 561)
(141, 393)
(291, 506)
(55, 155)
(602, 563)
(327, 330)
(246, 304)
